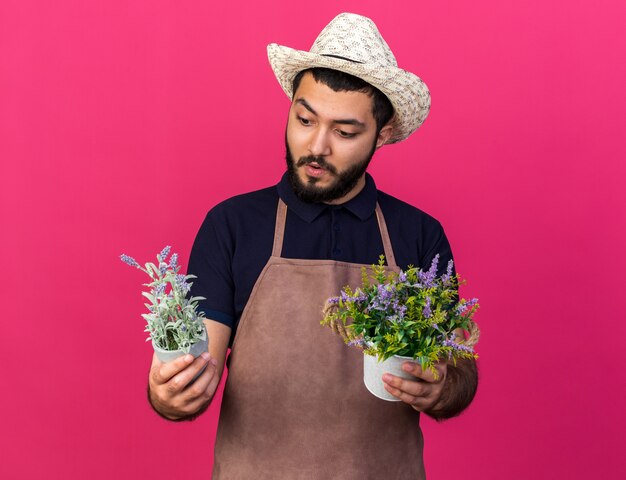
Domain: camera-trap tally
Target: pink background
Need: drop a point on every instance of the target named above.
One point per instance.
(123, 122)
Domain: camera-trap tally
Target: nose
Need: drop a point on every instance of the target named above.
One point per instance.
(319, 144)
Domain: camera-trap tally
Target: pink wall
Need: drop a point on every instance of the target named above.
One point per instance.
(123, 122)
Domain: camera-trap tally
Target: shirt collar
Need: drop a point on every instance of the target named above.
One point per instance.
(362, 206)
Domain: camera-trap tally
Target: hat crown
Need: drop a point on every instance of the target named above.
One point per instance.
(356, 38)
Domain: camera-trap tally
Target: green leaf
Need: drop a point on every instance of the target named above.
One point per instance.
(149, 297)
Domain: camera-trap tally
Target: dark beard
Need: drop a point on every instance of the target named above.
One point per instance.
(310, 192)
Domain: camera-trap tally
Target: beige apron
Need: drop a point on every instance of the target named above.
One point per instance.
(295, 406)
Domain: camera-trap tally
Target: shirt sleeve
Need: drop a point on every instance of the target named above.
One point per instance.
(211, 262)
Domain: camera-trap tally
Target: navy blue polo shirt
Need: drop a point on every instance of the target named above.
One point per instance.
(235, 240)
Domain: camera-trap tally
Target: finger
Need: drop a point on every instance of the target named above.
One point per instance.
(414, 401)
(162, 372)
(409, 387)
(198, 394)
(213, 383)
(427, 375)
(419, 403)
(199, 389)
(179, 382)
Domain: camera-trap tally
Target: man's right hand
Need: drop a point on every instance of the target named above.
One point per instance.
(170, 389)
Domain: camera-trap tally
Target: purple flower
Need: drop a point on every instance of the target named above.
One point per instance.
(383, 297)
(333, 301)
(181, 284)
(457, 346)
(174, 261)
(427, 312)
(359, 296)
(164, 253)
(162, 268)
(128, 260)
(357, 342)
(402, 277)
(159, 290)
(448, 275)
(428, 278)
(385, 293)
(465, 305)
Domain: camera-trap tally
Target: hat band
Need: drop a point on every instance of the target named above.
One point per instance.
(340, 58)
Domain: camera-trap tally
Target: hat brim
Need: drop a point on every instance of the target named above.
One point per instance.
(407, 93)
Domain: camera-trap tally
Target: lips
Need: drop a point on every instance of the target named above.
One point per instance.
(314, 169)
(316, 166)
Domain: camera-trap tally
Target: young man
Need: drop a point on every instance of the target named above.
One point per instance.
(294, 404)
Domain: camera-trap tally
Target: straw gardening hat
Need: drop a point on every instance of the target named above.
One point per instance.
(352, 44)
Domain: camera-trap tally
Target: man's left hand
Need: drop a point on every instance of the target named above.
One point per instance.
(424, 391)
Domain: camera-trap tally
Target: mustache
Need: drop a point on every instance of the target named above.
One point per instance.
(321, 161)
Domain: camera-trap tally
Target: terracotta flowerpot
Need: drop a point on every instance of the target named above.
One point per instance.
(373, 371)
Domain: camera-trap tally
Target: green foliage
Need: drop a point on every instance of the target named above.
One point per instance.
(173, 321)
(413, 314)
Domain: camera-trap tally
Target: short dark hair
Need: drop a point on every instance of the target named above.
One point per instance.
(344, 82)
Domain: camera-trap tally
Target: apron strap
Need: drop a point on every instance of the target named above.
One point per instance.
(384, 234)
(279, 230)
(279, 233)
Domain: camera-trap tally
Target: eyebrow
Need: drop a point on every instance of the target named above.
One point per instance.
(344, 121)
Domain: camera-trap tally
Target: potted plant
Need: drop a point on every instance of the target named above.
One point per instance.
(413, 315)
(173, 322)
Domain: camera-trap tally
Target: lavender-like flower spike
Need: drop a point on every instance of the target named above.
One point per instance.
(427, 312)
(465, 305)
(174, 261)
(428, 278)
(164, 253)
(433, 266)
(472, 302)
(159, 290)
(359, 295)
(402, 277)
(450, 266)
(446, 277)
(333, 301)
(458, 346)
(128, 260)
(461, 307)
(181, 284)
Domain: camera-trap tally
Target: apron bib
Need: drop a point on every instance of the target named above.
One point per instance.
(294, 405)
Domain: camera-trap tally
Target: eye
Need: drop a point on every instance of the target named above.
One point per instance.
(304, 121)
(343, 134)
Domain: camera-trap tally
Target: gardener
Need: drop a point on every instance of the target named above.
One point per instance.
(294, 404)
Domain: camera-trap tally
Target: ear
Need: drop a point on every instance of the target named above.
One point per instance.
(383, 136)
